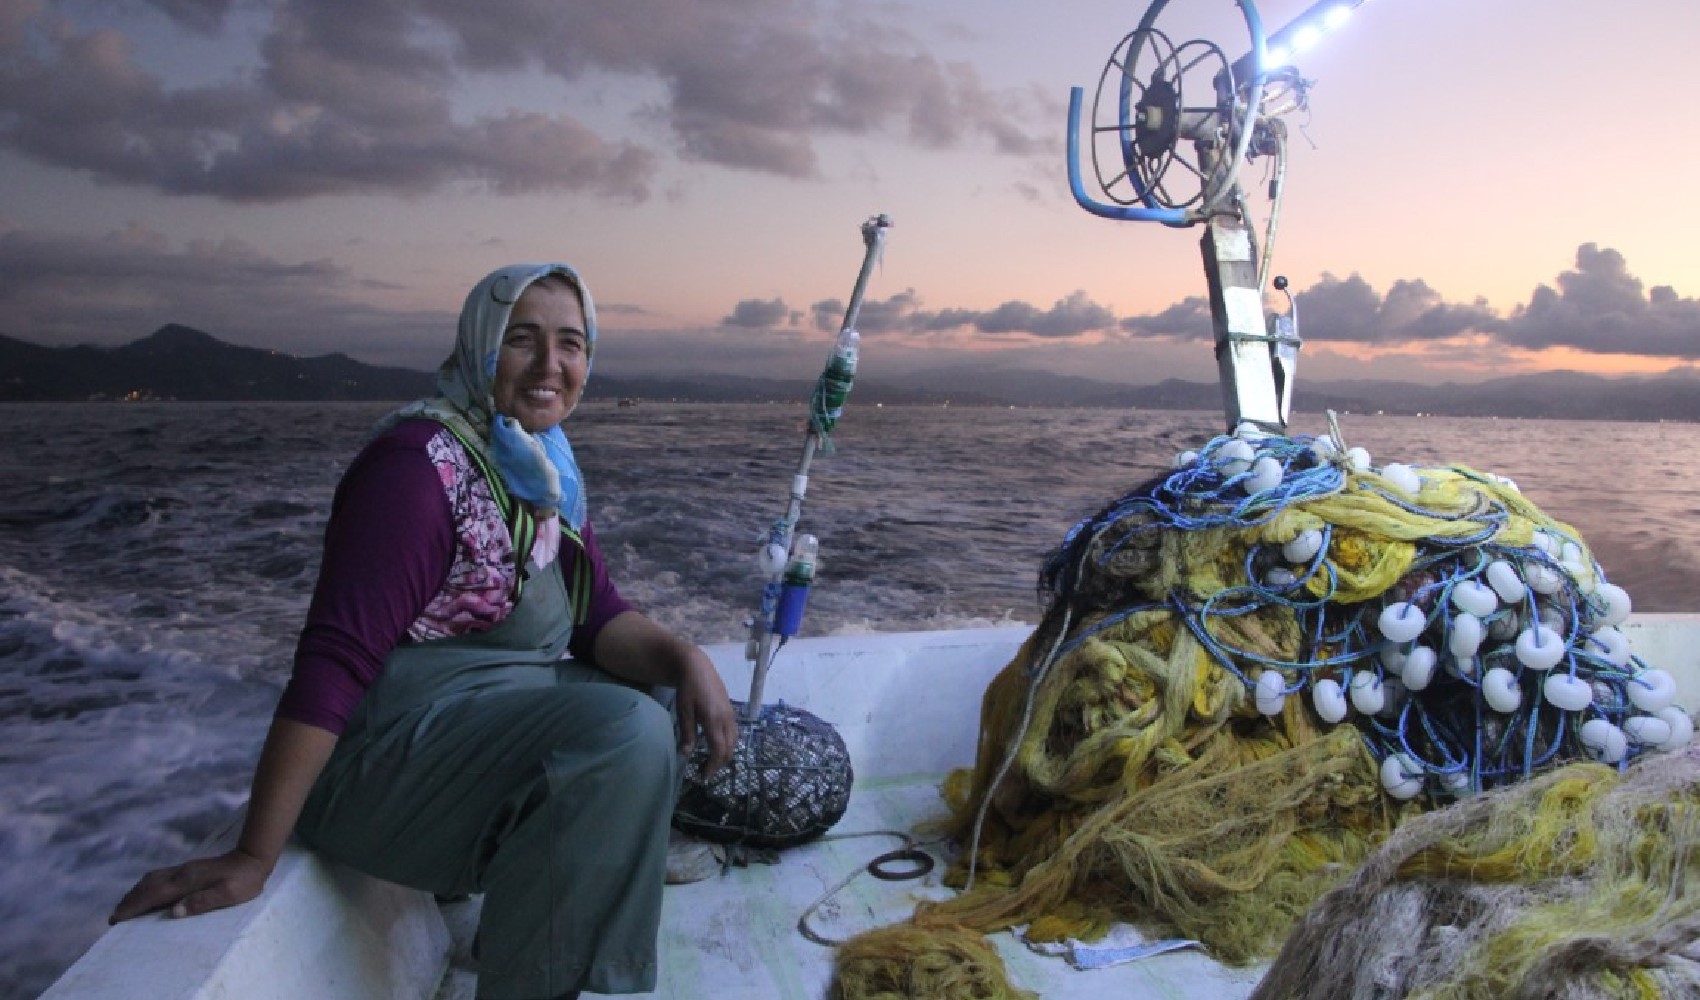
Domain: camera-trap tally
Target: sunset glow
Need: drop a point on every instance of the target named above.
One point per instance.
(296, 175)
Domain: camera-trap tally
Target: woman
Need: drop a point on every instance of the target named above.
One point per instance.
(433, 732)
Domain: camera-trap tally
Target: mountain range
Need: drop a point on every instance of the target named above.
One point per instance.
(179, 362)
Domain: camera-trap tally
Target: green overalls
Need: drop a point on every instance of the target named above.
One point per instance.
(486, 763)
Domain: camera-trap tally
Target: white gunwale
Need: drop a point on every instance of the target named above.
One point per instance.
(907, 706)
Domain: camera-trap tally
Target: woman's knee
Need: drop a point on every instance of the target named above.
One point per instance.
(650, 729)
(633, 734)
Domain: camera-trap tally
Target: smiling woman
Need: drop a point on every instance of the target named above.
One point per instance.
(471, 705)
(545, 355)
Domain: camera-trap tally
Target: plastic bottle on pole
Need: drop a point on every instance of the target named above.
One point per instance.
(794, 595)
(840, 373)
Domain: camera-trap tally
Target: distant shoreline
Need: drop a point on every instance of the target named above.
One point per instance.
(178, 363)
(1301, 415)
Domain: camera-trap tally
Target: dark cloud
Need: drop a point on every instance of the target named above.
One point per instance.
(204, 16)
(1343, 310)
(893, 315)
(1188, 319)
(1067, 317)
(751, 83)
(57, 288)
(1601, 307)
(758, 314)
(349, 100)
(1350, 310)
(356, 97)
(113, 289)
(687, 353)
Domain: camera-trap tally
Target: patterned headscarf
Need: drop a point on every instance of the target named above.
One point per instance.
(536, 467)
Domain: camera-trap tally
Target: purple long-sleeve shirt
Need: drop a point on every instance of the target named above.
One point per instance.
(390, 545)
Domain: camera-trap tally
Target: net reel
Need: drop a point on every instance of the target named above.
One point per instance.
(1172, 125)
(1171, 122)
(1143, 123)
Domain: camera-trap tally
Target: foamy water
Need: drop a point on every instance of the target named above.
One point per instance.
(156, 559)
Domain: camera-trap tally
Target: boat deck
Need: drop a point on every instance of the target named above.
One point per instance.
(907, 707)
(734, 936)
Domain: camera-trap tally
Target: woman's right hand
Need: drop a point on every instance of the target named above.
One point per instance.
(292, 758)
(196, 886)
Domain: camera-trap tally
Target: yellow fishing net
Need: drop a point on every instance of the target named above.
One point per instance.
(1581, 883)
(1126, 771)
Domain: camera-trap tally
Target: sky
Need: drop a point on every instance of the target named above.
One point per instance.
(1477, 187)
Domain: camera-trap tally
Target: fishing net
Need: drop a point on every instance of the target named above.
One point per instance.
(1577, 884)
(948, 963)
(1254, 668)
(788, 782)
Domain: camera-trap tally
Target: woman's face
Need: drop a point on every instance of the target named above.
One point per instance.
(541, 367)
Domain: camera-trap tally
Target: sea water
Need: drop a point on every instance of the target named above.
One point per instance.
(156, 560)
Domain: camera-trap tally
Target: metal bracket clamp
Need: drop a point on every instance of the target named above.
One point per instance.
(1256, 380)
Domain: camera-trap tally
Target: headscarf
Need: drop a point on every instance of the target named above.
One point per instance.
(536, 467)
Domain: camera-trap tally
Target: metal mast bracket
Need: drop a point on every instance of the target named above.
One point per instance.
(1256, 385)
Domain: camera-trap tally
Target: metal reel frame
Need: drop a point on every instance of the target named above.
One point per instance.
(1152, 115)
(1152, 118)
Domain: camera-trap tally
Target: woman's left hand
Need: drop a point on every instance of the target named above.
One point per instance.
(636, 648)
(702, 701)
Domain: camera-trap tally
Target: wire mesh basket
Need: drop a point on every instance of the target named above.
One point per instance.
(788, 782)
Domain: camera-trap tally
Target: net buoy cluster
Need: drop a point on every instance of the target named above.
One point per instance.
(787, 783)
(1470, 638)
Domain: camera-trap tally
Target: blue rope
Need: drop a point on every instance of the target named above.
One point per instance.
(1445, 729)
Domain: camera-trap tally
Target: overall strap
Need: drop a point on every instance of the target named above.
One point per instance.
(578, 581)
(522, 525)
(522, 528)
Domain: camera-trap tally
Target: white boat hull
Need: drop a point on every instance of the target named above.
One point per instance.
(907, 706)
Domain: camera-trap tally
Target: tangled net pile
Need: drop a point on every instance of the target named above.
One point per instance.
(1574, 884)
(1254, 668)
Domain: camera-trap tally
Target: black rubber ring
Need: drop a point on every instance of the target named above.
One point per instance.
(922, 861)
